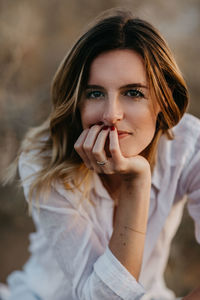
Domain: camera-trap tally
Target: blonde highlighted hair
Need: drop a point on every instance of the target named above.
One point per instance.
(54, 139)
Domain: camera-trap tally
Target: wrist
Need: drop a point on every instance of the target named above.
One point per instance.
(140, 172)
(137, 181)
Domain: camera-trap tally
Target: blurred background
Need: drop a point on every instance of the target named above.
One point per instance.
(34, 37)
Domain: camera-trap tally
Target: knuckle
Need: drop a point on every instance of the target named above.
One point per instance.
(119, 168)
(95, 152)
(113, 150)
(77, 146)
(87, 147)
(116, 169)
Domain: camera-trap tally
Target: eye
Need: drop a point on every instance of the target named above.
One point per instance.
(94, 94)
(134, 93)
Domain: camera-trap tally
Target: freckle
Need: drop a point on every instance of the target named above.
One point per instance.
(124, 244)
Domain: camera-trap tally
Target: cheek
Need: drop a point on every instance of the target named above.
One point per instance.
(143, 123)
(89, 115)
(143, 117)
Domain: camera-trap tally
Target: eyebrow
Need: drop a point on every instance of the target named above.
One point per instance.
(131, 85)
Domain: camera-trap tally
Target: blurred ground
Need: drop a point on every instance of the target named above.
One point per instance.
(34, 37)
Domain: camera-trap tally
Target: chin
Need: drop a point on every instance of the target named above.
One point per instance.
(128, 154)
(132, 152)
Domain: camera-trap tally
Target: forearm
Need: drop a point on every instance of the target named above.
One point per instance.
(128, 238)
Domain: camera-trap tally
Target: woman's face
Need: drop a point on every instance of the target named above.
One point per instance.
(117, 93)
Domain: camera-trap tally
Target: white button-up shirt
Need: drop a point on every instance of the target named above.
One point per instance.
(70, 258)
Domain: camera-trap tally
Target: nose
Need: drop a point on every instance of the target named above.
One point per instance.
(113, 111)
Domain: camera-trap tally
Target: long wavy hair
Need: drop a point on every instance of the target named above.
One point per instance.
(52, 143)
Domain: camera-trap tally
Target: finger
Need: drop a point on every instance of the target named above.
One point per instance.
(114, 146)
(98, 151)
(90, 141)
(78, 146)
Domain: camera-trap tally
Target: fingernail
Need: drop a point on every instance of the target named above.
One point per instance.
(112, 128)
(105, 127)
(100, 123)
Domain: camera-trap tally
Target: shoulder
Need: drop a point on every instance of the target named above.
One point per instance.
(188, 128)
(179, 159)
(184, 146)
(186, 136)
(33, 153)
(187, 141)
(29, 167)
(28, 164)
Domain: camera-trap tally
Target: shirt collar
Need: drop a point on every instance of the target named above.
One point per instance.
(156, 177)
(163, 160)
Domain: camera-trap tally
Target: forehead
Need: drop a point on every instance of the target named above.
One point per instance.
(126, 66)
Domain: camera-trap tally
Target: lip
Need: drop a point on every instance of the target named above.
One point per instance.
(123, 134)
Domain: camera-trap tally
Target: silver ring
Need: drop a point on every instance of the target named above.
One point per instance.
(101, 163)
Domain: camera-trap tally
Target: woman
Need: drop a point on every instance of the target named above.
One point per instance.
(106, 174)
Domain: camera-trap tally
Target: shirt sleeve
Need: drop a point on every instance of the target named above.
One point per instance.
(191, 186)
(94, 272)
